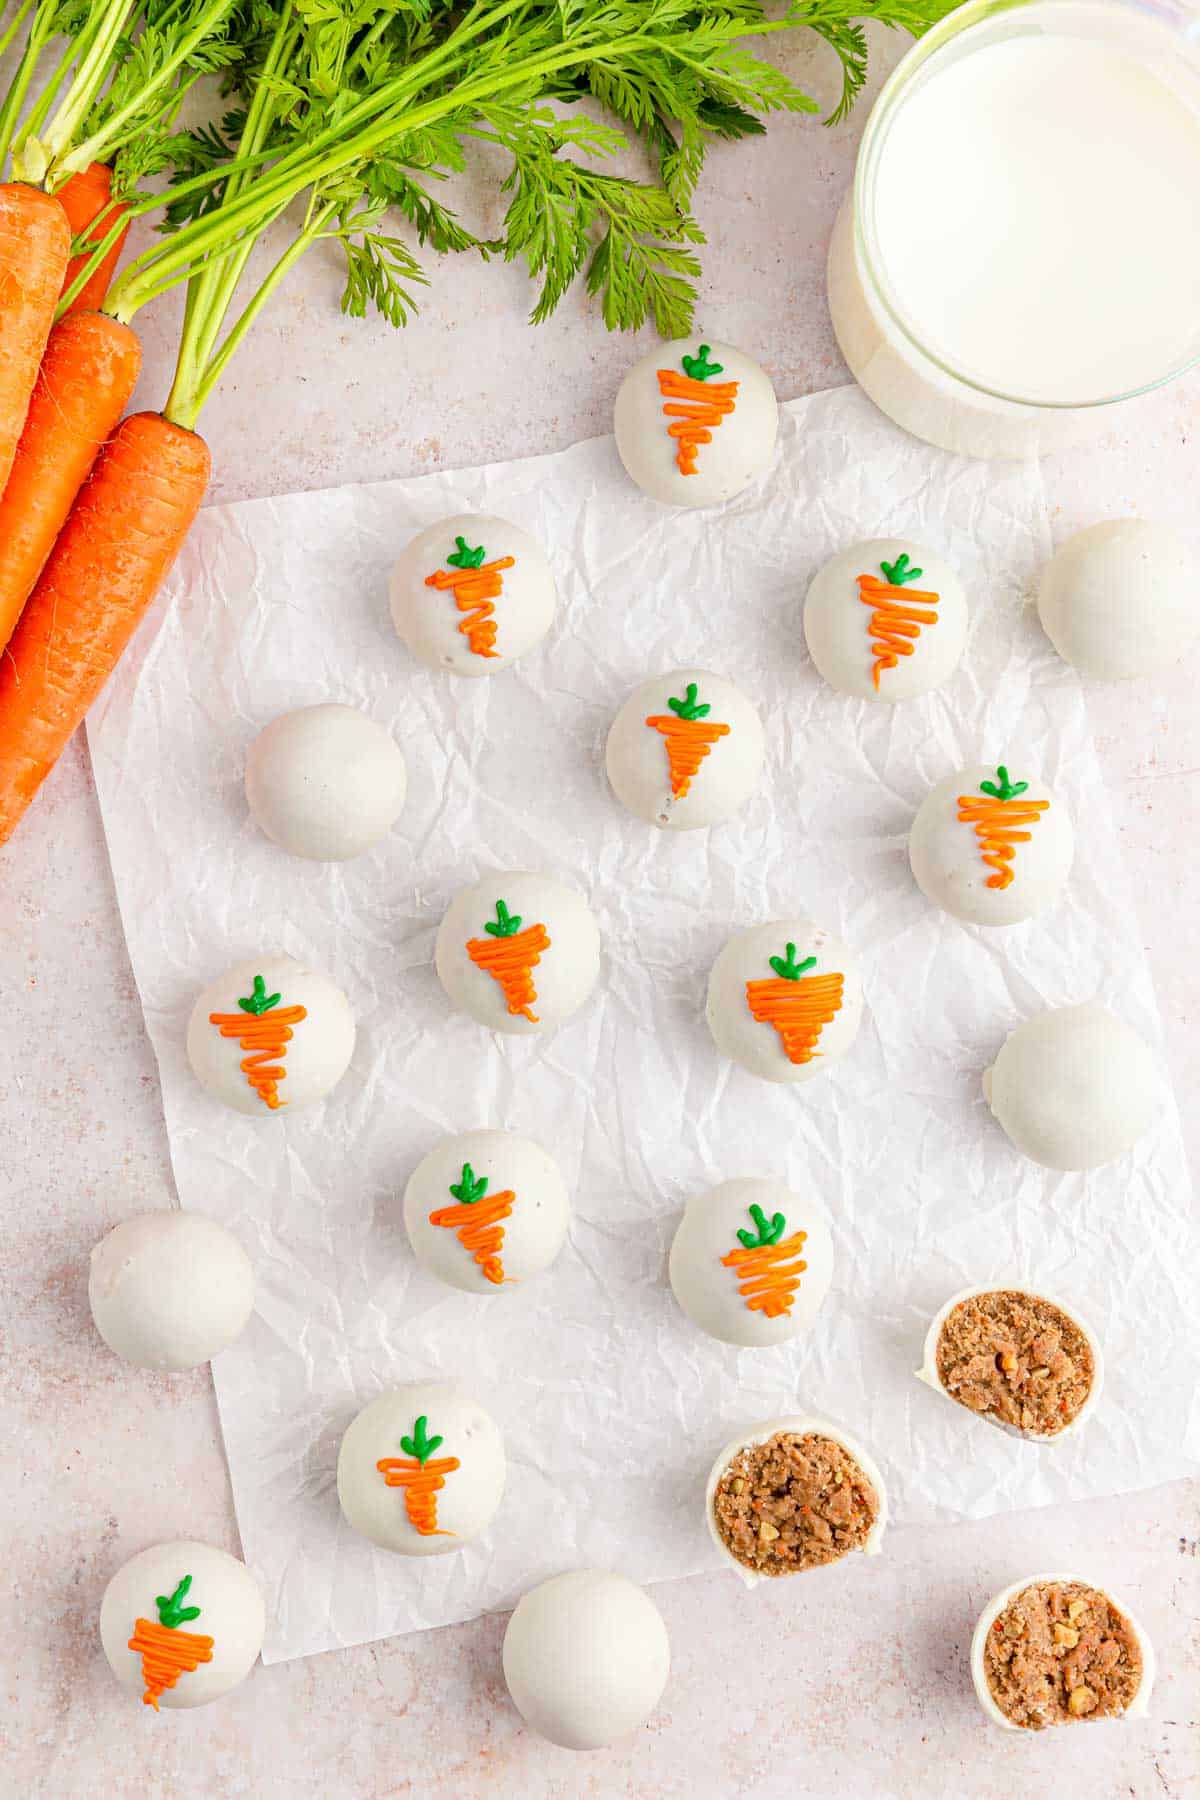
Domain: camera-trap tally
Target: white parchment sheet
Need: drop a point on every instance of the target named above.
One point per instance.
(611, 1404)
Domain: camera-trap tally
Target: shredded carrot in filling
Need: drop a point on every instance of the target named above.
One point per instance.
(479, 1229)
(799, 1010)
(699, 407)
(511, 961)
(688, 743)
(998, 826)
(166, 1654)
(895, 623)
(767, 1277)
(266, 1036)
(422, 1483)
(474, 590)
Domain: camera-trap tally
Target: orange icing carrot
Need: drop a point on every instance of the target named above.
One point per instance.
(166, 1652)
(697, 408)
(895, 622)
(510, 955)
(798, 1008)
(767, 1276)
(477, 1220)
(688, 737)
(475, 584)
(998, 819)
(265, 1033)
(421, 1478)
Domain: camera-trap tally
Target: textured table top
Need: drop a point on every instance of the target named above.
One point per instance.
(858, 1682)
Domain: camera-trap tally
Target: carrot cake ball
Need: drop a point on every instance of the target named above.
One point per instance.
(325, 782)
(1119, 599)
(270, 1035)
(886, 620)
(182, 1624)
(685, 751)
(486, 1210)
(1074, 1087)
(751, 1262)
(1053, 1650)
(991, 847)
(1016, 1358)
(695, 423)
(170, 1290)
(784, 1000)
(471, 594)
(792, 1495)
(421, 1470)
(519, 952)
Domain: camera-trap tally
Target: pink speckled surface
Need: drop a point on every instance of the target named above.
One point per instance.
(857, 1683)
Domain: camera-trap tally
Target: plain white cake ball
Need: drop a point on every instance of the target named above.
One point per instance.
(325, 782)
(586, 1658)
(486, 1210)
(1119, 599)
(421, 1469)
(518, 952)
(170, 1290)
(886, 620)
(685, 750)
(270, 1035)
(696, 422)
(471, 594)
(1074, 1087)
(182, 1624)
(785, 1000)
(751, 1262)
(991, 845)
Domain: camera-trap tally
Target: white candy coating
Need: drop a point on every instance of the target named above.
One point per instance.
(801, 1425)
(1074, 1087)
(743, 442)
(1138, 1707)
(231, 1614)
(1119, 599)
(472, 1492)
(947, 857)
(755, 1043)
(430, 619)
(637, 758)
(586, 1658)
(170, 1290)
(710, 1294)
(928, 1372)
(325, 782)
(534, 1230)
(314, 1060)
(837, 622)
(566, 970)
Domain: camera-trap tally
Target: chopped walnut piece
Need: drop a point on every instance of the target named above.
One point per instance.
(793, 1503)
(1041, 1671)
(1016, 1359)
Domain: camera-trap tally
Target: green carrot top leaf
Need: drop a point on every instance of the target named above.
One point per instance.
(900, 571)
(1002, 788)
(259, 1001)
(171, 1611)
(470, 1188)
(788, 968)
(687, 708)
(698, 368)
(766, 1232)
(505, 924)
(420, 1446)
(464, 557)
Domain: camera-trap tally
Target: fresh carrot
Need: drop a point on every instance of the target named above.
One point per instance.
(421, 1478)
(35, 243)
(87, 375)
(474, 584)
(768, 1274)
(696, 408)
(264, 1032)
(998, 819)
(797, 1004)
(123, 533)
(510, 955)
(688, 738)
(86, 198)
(477, 1220)
(895, 622)
(166, 1652)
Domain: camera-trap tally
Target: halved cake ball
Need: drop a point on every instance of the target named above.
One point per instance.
(794, 1494)
(1054, 1650)
(1015, 1358)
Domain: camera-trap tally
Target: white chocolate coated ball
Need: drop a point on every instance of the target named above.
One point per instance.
(325, 782)
(1119, 600)
(526, 979)
(586, 1658)
(477, 614)
(752, 1007)
(677, 765)
(742, 443)
(429, 1498)
(312, 1059)
(714, 1273)
(1074, 1087)
(230, 1613)
(947, 851)
(857, 636)
(170, 1290)
(531, 1222)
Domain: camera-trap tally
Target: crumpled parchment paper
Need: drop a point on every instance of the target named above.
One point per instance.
(612, 1405)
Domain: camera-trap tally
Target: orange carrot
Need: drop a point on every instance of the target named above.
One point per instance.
(474, 584)
(698, 409)
(166, 1652)
(477, 1220)
(35, 242)
(421, 1479)
(998, 818)
(895, 623)
(265, 1033)
(509, 955)
(798, 1008)
(767, 1276)
(688, 738)
(122, 535)
(86, 198)
(87, 375)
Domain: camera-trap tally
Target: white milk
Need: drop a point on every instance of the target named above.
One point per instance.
(1029, 221)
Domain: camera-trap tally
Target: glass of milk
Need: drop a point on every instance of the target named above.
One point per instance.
(1021, 247)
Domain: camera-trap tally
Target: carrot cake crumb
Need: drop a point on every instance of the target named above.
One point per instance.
(793, 1503)
(1059, 1652)
(1017, 1360)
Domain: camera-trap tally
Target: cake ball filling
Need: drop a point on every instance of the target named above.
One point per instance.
(1059, 1652)
(1017, 1360)
(793, 1503)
